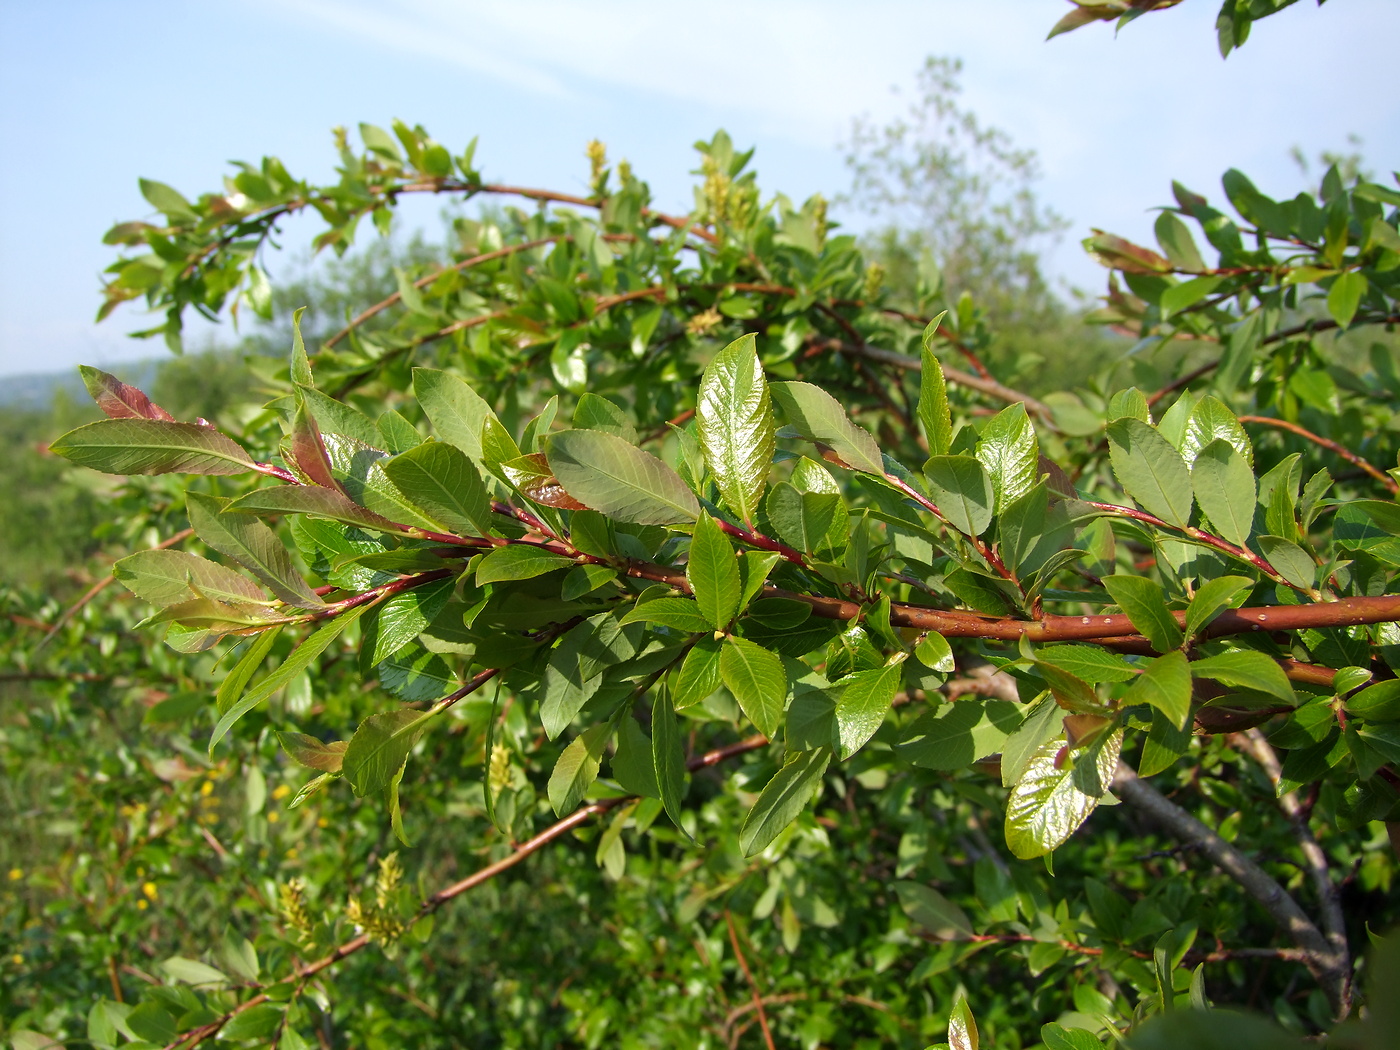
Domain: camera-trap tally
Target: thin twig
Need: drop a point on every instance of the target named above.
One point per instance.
(1327, 443)
(753, 985)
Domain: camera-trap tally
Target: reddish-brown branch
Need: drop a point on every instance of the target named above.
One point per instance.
(1327, 443)
(748, 976)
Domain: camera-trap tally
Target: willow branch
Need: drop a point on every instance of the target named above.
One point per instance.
(1327, 966)
(1327, 443)
(748, 976)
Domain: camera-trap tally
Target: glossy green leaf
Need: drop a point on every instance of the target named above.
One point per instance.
(1092, 664)
(698, 675)
(253, 545)
(619, 480)
(1377, 703)
(933, 397)
(934, 652)
(1212, 598)
(1045, 807)
(1145, 604)
(962, 1027)
(1224, 486)
(456, 411)
(782, 799)
(963, 492)
(862, 705)
(236, 681)
(819, 417)
(713, 574)
(577, 768)
(802, 519)
(1008, 448)
(957, 734)
(394, 623)
(152, 446)
(756, 677)
(518, 561)
(734, 422)
(1290, 560)
(1211, 420)
(681, 613)
(1166, 685)
(1150, 470)
(442, 482)
(668, 754)
(1247, 669)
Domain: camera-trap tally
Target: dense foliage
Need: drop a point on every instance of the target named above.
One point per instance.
(718, 583)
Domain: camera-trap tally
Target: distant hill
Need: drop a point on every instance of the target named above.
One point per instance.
(36, 390)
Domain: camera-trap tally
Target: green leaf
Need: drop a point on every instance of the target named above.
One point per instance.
(585, 579)
(1210, 420)
(782, 799)
(713, 574)
(734, 422)
(314, 500)
(252, 544)
(955, 735)
(930, 910)
(1150, 470)
(1247, 669)
(394, 623)
(962, 1028)
(237, 680)
(595, 412)
(1166, 685)
(633, 764)
(1378, 703)
(380, 747)
(819, 417)
(1178, 297)
(933, 397)
(164, 577)
(1042, 722)
(456, 411)
(802, 519)
(1224, 485)
(416, 676)
(1345, 296)
(1088, 663)
(1146, 606)
(756, 678)
(518, 561)
(1290, 560)
(668, 755)
(681, 613)
(442, 482)
(619, 480)
(1180, 247)
(934, 652)
(297, 661)
(189, 971)
(1045, 807)
(1211, 598)
(577, 768)
(300, 365)
(698, 675)
(864, 701)
(962, 489)
(259, 1022)
(1008, 448)
(169, 200)
(1058, 1037)
(152, 446)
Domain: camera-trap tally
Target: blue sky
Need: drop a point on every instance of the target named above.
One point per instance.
(95, 94)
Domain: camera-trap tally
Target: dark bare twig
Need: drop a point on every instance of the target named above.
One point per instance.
(748, 975)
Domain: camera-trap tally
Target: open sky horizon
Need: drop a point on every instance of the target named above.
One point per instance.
(95, 95)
